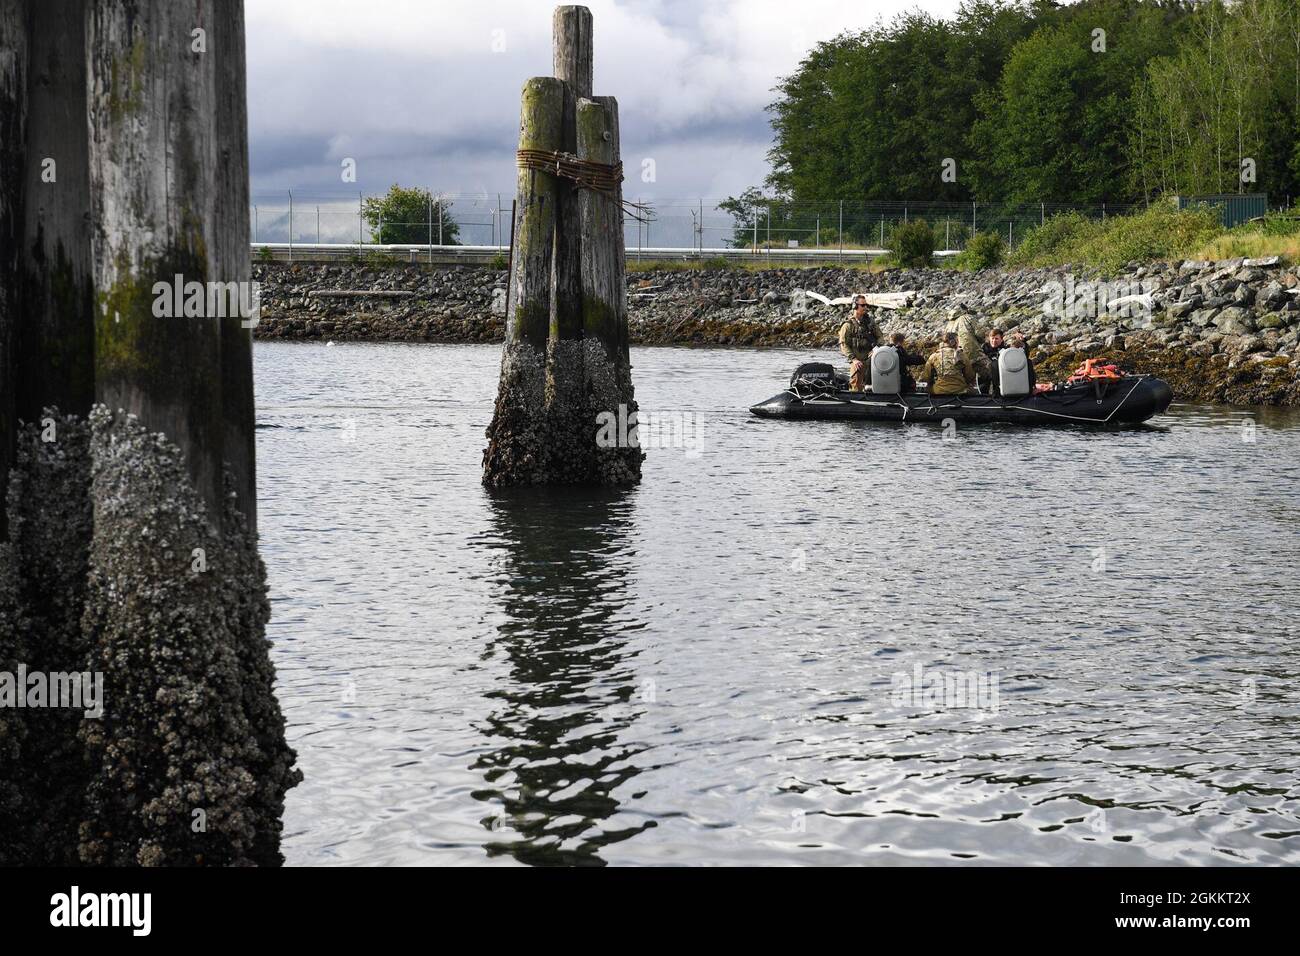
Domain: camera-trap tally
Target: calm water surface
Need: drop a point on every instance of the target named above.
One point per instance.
(715, 667)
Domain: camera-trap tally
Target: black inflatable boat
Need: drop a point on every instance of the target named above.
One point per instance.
(1126, 401)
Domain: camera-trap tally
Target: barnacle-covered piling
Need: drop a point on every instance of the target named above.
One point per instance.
(129, 552)
(558, 388)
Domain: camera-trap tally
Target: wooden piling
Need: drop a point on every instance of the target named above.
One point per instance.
(516, 452)
(606, 363)
(572, 48)
(153, 107)
(572, 42)
(586, 308)
(56, 337)
(121, 264)
(568, 422)
(13, 109)
(230, 253)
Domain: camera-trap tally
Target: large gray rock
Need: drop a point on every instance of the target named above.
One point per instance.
(1271, 295)
(1235, 321)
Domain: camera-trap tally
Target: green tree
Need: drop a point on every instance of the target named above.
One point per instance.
(410, 216)
(1055, 129)
(779, 220)
(1227, 98)
(874, 115)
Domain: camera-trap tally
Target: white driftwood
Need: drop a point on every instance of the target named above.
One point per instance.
(878, 300)
(1143, 300)
(359, 294)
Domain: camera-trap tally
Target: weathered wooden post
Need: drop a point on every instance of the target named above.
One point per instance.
(13, 111)
(517, 437)
(606, 365)
(558, 433)
(58, 292)
(16, 800)
(153, 96)
(52, 377)
(132, 485)
(568, 419)
(231, 256)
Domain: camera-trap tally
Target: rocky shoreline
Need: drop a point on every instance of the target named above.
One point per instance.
(1221, 332)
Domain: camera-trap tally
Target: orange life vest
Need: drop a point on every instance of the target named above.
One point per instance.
(1093, 369)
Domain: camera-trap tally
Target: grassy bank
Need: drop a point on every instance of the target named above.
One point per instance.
(1158, 233)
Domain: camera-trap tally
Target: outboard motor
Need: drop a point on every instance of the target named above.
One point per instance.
(886, 377)
(815, 375)
(1013, 373)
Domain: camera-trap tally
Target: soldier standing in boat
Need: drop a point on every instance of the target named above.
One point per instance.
(858, 336)
(962, 323)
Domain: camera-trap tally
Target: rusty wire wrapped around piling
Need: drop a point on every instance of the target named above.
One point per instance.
(585, 174)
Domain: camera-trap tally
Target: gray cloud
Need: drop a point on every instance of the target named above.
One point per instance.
(427, 93)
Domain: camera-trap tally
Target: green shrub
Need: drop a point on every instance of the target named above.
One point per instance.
(1159, 232)
(912, 244)
(985, 250)
(1275, 224)
(1046, 244)
(264, 254)
(499, 261)
(375, 257)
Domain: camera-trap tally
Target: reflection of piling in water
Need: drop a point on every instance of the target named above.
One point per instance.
(557, 762)
(127, 442)
(565, 362)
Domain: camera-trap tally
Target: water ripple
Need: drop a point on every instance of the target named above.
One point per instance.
(730, 663)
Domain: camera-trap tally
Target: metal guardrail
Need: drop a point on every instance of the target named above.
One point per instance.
(484, 255)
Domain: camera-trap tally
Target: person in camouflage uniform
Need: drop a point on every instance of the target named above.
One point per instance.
(858, 336)
(949, 371)
(962, 323)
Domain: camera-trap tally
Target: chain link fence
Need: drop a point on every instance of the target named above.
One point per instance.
(672, 227)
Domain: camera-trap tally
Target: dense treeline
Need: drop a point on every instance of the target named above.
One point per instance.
(1032, 101)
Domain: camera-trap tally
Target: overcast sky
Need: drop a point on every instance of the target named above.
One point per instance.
(427, 93)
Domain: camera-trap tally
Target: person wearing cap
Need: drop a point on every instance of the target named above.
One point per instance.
(858, 336)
